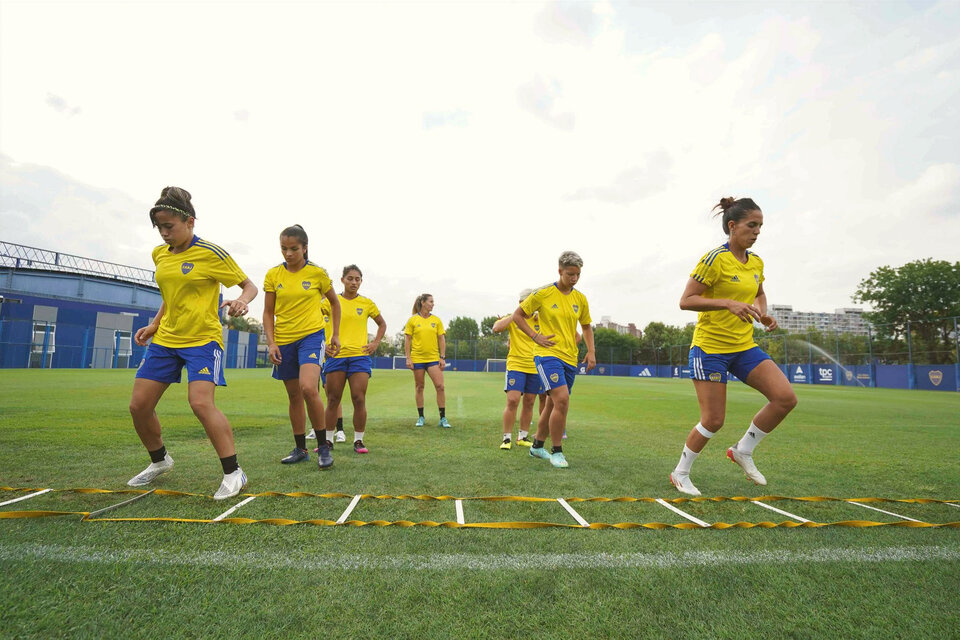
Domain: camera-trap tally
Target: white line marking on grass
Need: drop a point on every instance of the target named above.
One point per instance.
(889, 513)
(26, 497)
(302, 560)
(952, 504)
(234, 508)
(780, 511)
(350, 508)
(571, 511)
(682, 513)
(459, 505)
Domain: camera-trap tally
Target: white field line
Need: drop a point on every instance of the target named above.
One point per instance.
(459, 505)
(682, 513)
(287, 560)
(233, 508)
(780, 511)
(349, 509)
(952, 504)
(571, 511)
(26, 497)
(889, 513)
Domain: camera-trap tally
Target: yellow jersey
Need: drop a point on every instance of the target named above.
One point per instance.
(559, 314)
(726, 277)
(353, 325)
(327, 313)
(520, 356)
(189, 284)
(425, 333)
(298, 296)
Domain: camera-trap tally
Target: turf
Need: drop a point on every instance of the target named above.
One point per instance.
(61, 577)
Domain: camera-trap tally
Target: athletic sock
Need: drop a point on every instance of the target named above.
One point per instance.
(329, 435)
(537, 444)
(420, 411)
(507, 437)
(301, 440)
(357, 436)
(158, 455)
(686, 460)
(523, 434)
(229, 464)
(556, 450)
(339, 424)
(750, 439)
(443, 413)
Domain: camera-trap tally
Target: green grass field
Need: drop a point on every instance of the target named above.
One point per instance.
(63, 577)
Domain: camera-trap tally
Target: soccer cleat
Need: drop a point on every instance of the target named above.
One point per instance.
(682, 482)
(539, 452)
(150, 474)
(745, 460)
(420, 421)
(358, 447)
(506, 444)
(233, 484)
(324, 457)
(558, 460)
(443, 423)
(340, 437)
(297, 455)
(311, 435)
(524, 442)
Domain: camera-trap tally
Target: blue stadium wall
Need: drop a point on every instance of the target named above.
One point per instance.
(78, 299)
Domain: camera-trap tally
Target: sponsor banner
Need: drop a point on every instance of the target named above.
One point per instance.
(826, 373)
(940, 377)
(798, 373)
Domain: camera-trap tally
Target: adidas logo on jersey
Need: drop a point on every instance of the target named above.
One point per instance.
(554, 307)
(735, 279)
(205, 371)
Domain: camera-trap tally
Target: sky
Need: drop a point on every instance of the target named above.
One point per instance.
(457, 148)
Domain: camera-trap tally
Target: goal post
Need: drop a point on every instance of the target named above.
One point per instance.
(399, 362)
(495, 364)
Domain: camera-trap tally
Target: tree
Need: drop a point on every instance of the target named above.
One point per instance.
(923, 293)
(464, 329)
(242, 323)
(486, 325)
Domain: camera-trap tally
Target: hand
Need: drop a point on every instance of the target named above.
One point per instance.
(143, 334)
(333, 347)
(273, 352)
(590, 361)
(443, 364)
(769, 322)
(544, 340)
(235, 307)
(409, 363)
(370, 348)
(744, 311)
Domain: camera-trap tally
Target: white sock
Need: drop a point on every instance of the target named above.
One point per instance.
(523, 434)
(686, 461)
(330, 435)
(750, 439)
(507, 437)
(357, 435)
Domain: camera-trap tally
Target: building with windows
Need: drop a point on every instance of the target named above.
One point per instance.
(847, 320)
(628, 329)
(59, 310)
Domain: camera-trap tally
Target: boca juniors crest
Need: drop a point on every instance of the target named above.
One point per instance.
(306, 285)
(359, 311)
(936, 377)
(186, 267)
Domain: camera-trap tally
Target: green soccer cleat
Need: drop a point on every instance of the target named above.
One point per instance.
(558, 460)
(443, 423)
(419, 422)
(539, 452)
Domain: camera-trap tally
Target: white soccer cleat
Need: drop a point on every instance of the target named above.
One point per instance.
(233, 484)
(682, 482)
(311, 435)
(151, 473)
(340, 436)
(745, 460)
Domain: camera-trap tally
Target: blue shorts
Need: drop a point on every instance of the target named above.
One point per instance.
(349, 365)
(554, 372)
(523, 382)
(164, 364)
(426, 365)
(306, 350)
(714, 367)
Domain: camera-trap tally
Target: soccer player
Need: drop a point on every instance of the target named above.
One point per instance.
(353, 363)
(521, 381)
(726, 287)
(560, 308)
(293, 325)
(338, 435)
(186, 332)
(425, 347)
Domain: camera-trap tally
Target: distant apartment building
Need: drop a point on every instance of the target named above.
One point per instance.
(848, 320)
(628, 329)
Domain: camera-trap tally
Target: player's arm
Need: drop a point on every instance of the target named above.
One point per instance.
(333, 347)
(269, 326)
(240, 305)
(591, 358)
(502, 324)
(761, 303)
(442, 344)
(407, 343)
(694, 300)
(519, 318)
(371, 347)
(145, 333)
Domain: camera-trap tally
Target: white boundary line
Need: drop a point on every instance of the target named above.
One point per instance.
(459, 505)
(682, 513)
(780, 511)
(233, 508)
(952, 504)
(571, 511)
(350, 508)
(26, 497)
(889, 513)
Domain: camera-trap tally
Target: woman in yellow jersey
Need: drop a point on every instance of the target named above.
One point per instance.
(560, 308)
(521, 380)
(425, 346)
(186, 332)
(312, 435)
(353, 362)
(293, 325)
(726, 287)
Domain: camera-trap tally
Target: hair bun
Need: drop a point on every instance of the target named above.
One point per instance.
(726, 203)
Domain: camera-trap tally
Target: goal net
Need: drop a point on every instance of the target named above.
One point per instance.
(495, 364)
(399, 362)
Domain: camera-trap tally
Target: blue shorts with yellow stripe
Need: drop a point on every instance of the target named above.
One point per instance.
(713, 367)
(165, 364)
(306, 350)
